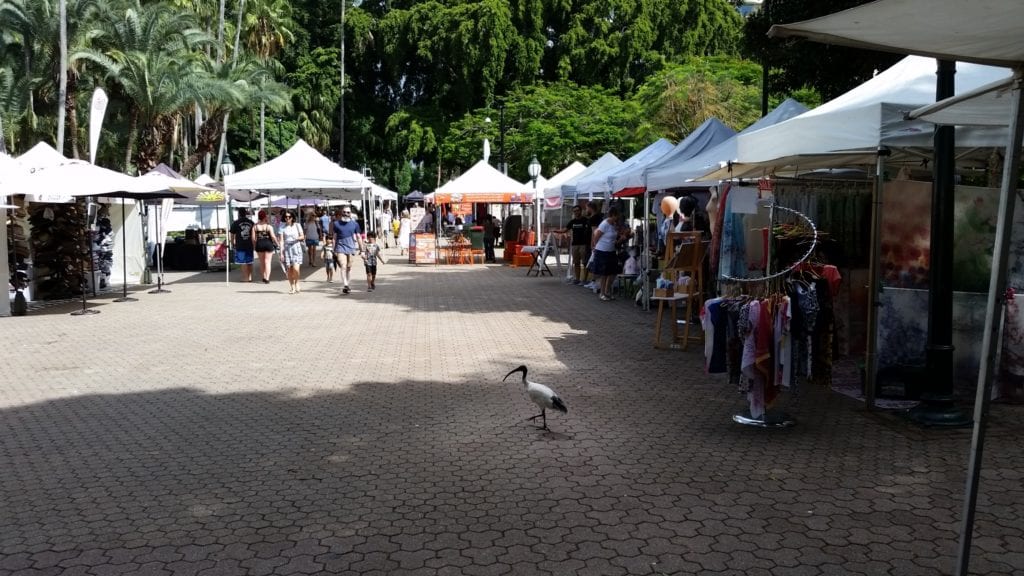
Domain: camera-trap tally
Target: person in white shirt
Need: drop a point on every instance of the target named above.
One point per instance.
(605, 263)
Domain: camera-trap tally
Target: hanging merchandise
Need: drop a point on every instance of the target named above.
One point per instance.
(774, 333)
(58, 249)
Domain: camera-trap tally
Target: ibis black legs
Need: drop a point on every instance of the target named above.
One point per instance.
(543, 414)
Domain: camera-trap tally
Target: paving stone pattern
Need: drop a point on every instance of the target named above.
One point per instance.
(237, 429)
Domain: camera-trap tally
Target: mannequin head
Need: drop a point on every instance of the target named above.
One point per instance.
(669, 206)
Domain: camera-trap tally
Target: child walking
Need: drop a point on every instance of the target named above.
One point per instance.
(328, 255)
(371, 254)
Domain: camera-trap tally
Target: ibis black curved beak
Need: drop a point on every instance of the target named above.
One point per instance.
(519, 369)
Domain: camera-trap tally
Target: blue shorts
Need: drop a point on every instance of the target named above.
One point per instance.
(243, 256)
(311, 243)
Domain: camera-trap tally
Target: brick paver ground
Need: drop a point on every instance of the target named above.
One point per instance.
(236, 429)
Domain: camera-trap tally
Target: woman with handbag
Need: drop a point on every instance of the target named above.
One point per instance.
(293, 238)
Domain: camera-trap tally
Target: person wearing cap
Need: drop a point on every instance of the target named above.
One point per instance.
(348, 243)
(243, 238)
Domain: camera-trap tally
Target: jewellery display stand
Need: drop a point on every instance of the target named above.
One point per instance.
(774, 418)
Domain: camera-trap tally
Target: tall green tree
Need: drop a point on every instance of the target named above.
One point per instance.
(795, 64)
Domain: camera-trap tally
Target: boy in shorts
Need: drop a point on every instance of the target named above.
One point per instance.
(371, 255)
(327, 253)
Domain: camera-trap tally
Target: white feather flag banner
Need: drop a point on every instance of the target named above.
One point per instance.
(96, 112)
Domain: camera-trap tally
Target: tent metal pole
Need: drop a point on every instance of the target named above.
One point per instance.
(160, 251)
(874, 286)
(993, 315)
(124, 257)
(647, 251)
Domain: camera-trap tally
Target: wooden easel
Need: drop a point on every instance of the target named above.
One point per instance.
(684, 259)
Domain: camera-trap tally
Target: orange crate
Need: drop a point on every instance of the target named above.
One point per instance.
(511, 249)
(522, 260)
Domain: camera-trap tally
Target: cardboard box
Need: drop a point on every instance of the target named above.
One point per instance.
(663, 293)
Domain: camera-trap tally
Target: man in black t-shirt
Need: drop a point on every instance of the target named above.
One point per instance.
(580, 229)
(594, 218)
(241, 238)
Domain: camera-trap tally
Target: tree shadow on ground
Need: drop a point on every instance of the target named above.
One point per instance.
(412, 475)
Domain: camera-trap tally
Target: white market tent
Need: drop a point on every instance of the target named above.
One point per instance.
(989, 105)
(552, 190)
(484, 184)
(682, 173)
(983, 32)
(658, 175)
(600, 184)
(568, 188)
(300, 172)
(849, 129)
(381, 193)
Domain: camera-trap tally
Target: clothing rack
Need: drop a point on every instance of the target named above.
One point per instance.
(774, 419)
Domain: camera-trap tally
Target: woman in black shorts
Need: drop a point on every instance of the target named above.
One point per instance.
(266, 243)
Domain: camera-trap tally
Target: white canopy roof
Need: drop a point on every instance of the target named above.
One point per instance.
(683, 173)
(600, 183)
(986, 106)
(979, 31)
(631, 173)
(41, 155)
(661, 175)
(850, 128)
(301, 172)
(481, 183)
(553, 186)
(80, 178)
(383, 193)
(568, 188)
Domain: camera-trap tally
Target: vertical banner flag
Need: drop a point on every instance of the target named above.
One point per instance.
(96, 112)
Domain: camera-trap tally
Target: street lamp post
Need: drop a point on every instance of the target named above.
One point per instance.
(487, 142)
(227, 168)
(534, 169)
(502, 163)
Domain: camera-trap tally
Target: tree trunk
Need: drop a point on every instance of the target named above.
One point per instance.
(62, 86)
(206, 140)
(220, 33)
(71, 103)
(151, 147)
(133, 132)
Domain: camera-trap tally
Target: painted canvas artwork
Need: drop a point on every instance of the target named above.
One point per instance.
(906, 235)
(906, 230)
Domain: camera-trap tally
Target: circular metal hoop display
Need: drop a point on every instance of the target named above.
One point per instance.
(810, 250)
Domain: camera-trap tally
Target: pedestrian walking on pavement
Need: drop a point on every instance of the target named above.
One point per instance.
(371, 256)
(348, 243)
(293, 242)
(243, 238)
(266, 245)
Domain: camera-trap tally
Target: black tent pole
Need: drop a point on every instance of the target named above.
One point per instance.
(81, 272)
(124, 257)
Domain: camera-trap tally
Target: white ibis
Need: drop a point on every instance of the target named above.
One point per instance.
(541, 395)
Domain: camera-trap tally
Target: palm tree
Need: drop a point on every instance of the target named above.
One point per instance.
(33, 29)
(152, 55)
(268, 26)
(233, 87)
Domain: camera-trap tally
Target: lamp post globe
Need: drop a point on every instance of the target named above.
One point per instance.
(227, 167)
(534, 170)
